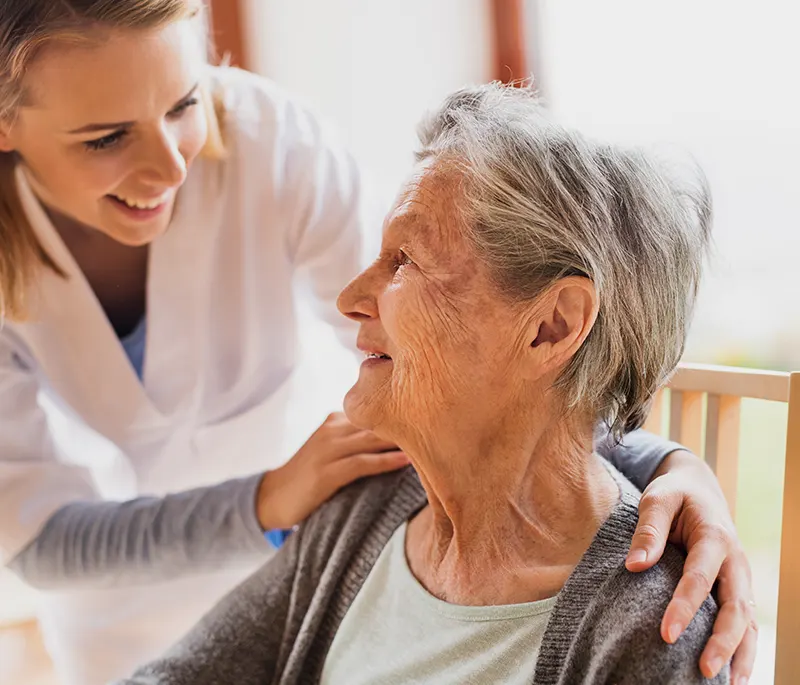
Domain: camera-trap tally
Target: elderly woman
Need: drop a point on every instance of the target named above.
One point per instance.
(531, 284)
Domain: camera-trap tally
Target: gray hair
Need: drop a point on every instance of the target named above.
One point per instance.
(541, 202)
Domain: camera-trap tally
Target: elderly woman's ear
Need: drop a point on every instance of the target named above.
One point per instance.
(562, 319)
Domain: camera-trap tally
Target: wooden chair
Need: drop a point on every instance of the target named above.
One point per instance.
(710, 396)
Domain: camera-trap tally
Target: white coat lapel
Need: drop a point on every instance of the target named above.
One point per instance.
(80, 353)
(179, 296)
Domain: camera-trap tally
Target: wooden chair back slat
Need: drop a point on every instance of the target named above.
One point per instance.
(787, 655)
(723, 414)
(691, 429)
(704, 411)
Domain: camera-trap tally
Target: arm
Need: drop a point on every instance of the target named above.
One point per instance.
(636, 616)
(145, 539)
(682, 502)
(150, 538)
(33, 482)
(56, 533)
(240, 639)
(638, 456)
(685, 505)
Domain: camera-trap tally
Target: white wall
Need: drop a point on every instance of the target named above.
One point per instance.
(719, 78)
(371, 68)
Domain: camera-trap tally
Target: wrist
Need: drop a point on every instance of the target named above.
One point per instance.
(683, 461)
(267, 510)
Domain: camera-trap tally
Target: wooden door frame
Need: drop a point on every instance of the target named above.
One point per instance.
(226, 19)
(508, 33)
(510, 54)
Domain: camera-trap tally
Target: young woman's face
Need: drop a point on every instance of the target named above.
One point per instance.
(107, 132)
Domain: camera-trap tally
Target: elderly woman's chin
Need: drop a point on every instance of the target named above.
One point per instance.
(363, 403)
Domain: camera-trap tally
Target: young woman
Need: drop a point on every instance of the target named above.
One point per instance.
(154, 214)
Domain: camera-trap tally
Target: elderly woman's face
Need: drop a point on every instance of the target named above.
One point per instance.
(440, 337)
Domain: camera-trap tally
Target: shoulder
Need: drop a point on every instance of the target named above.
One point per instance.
(625, 618)
(636, 603)
(611, 617)
(258, 112)
(362, 505)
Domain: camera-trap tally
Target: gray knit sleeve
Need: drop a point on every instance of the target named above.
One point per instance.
(149, 538)
(638, 455)
(635, 606)
(243, 638)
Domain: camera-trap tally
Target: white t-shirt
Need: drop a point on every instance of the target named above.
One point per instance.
(396, 632)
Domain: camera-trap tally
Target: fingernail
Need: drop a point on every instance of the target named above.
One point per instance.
(674, 632)
(715, 665)
(742, 680)
(637, 556)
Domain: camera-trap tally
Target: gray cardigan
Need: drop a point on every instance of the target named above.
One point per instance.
(147, 539)
(277, 627)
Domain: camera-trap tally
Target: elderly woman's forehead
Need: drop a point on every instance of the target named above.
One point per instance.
(428, 200)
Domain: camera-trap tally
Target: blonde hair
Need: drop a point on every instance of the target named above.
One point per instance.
(25, 26)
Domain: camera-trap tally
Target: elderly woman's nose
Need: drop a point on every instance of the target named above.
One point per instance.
(357, 300)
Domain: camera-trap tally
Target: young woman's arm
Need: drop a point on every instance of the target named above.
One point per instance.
(638, 456)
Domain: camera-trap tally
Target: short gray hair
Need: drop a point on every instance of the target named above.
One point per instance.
(541, 202)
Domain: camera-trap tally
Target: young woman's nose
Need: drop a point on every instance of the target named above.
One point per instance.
(165, 163)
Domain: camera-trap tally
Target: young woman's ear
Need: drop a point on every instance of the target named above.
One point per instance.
(563, 319)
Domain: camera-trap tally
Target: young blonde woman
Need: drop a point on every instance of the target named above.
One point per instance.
(154, 214)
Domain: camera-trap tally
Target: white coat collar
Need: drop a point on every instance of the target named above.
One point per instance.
(74, 342)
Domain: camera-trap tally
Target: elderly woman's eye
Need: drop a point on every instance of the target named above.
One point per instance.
(402, 259)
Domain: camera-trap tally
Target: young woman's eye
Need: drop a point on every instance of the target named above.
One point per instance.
(106, 141)
(181, 108)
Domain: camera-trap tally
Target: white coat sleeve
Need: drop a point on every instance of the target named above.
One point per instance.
(326, 222)
(56, 533)
(33, 481)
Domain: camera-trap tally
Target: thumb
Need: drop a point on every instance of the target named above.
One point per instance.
(650, 538)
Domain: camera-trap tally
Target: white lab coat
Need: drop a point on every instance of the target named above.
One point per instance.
(221, 341)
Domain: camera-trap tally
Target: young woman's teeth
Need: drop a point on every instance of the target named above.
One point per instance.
(142, 204)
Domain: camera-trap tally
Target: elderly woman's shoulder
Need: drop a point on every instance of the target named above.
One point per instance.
(371, 508)
(625, 616)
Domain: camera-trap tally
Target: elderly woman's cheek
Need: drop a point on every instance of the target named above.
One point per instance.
(431, 368)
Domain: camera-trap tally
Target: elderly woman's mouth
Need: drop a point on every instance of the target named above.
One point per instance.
(376, 357)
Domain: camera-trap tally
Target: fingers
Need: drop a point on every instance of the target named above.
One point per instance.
(339, 423)
(366, 441)
(729, 629)
(735, 629)
(337, 427)
(699, 573)
(745, 657)
(367, 464)
(656, 514)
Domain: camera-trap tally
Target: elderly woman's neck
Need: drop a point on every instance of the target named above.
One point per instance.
(509, 518)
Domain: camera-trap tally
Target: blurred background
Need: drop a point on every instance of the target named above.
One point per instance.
(717, 79)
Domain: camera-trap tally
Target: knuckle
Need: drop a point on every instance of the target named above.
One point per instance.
(739, 559)
(647, 532)
(725, 644)
(698, 580)
(360, 462)
(753, 626)
(740, 606)
(656, 498)
(715, 532)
